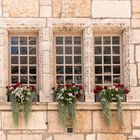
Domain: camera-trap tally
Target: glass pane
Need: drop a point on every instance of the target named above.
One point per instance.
(14, 59)
(115, 40)
(98, 69)
(98, 79)
(98, 59)
(98, 50)
(116, 79)
(77, 50)
(77, 59)
(77, 40)
(68, 60)
(77, 70)
(32, 40)
(14, 40)
(107, 79)
(68, 40)
(116, 69)
(107, 50)
(59, 40)
(107, 40)
(69, 79)
(59, 60)
(32, 50)
(60, 79)
(68, 70)
(32, 60)
(116, 50)
(23, 40)
(24, 79)
(59, 50)
(59, 70)
(68, 50)
(14, 69)
(78, 79)
(23, 70)
(98, 40)
(14, 50)
(23, 50)
(32, 69)
(23, 59)
(32, 79)
(107, 59)
(14, 79)
(107, 69)
(116, 59)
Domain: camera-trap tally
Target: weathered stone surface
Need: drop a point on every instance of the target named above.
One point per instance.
(2, 135)
(37, 120)
(138, 70)
(118, 9)
(135, 6)
(71, 8)
(49, 138)
(137, 55)
(100, 126)
(136, 133)
(45, 55)
(45, 2)
(131, 54)
(54, 123)
(133, 75)
(91, 137)
(24, 137)
(21, 8)
(136, 22)
(45, 11)
(69, 137)
(134, 36)
(111, 137)
(83, 122)
(135, 118)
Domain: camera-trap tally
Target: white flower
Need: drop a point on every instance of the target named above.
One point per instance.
(28, 93)
(70, 94)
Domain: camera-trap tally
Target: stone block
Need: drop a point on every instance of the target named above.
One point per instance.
(136, 22)
(46, 45)
(135, 6)
(133, 75)
(83, 121)
(37, 120)
(54, 125)
(45, 2)
(137, 55)
(91, 137)
(135, 118)
(131, 54)
(69, 137)
(71, 8)
(46, 69)
(136, 133)
(45, 11)
(99, 124)
(119, 9)
(45, 57)
(46, 35)
(21, 8)
(2, 135)
(134, 36)
(111, 137)
(138, 70)
(24, 137)
(49, 138)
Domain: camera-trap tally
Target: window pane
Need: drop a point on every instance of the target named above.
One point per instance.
(68, 50)
(77, 50)
(107, 50)
(14, 40)
(107, 40)
(59, 40)
(24, 79)
(14, 50)
(68, 70)
(78, 79)
(23, 59)
(23, 70)
(23, 40)
(14, 79)
(98, 40)
(59, 70)
(14, 69)
(77, 40)
(116, 50)
(23, 50)
(68, 40)
(116, 69)
(59, 60)
(32, 60)
(107, 59)
(116, 79)
(98, 59)
(77, 59)
(77, 69)
(107, 69)
(32, 69)
(32, 40)
(98, 79)
(60, 79)
(68, 60)
(69, 79)
(107, 79)
(98, 50)
(116, 59)
(32, 79)
(98, 69)
(14, 59)
(32, 50)
(115, 40)
(59, 50)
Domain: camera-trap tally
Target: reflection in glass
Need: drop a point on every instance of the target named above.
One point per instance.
(32, 50)
(107, 50)
(23, 50)
(98, 50)
(98, 79)
(59, 40)
(77, 50)
(68, 60)
(77, 59)
(59, 60)
(78, 79)
(77, 40)
(107, 79)
(14, 69)
(68, 70)
(14, 59)
(116, 69)
(107, 40)
(24, 79)
(23, 40)
(14, 79)
(107, 69)
(98, 59)
(23, 70)
(107, 59)
(32, 79)
(68, 40)
(68, 50)
(116, 79)
(98, 69)
(115, 40)
(60, 79)
(116, 50)
(116, 59)
(14, 50)
(59, 70)
(32, 60)
(98, 40)
(69, 79)
(59, 50)
(32, 40)
(23, 59)
(32, 69)
(77, 70)
(14, 40)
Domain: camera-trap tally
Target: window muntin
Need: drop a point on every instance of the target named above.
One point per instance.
(68, 59)
(23, 59)
(107, 57)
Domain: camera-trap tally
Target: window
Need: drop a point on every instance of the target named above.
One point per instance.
(107, 60)
(23, 60)
(68, 59)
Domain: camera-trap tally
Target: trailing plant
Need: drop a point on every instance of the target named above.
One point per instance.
(107, 95)
(21, 98)
(66, 96)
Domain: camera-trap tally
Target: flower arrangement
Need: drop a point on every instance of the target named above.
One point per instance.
(66, 96)
(107, 95)
(20, 96)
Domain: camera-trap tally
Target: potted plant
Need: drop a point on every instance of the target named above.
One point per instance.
(21, 98)
(66, 96)
(108, 94)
